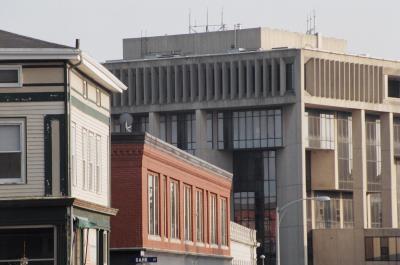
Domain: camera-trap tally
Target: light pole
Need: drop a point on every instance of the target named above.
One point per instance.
(262, 257)
(278, 220)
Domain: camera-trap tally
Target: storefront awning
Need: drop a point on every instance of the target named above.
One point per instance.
(82, 222)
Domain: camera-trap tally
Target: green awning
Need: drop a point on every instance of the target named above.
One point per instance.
(82, 222)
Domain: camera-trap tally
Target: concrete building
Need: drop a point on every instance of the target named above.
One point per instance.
(54, 149)
(292, 116)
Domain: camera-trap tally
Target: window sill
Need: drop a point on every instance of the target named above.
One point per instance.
(12, 182)
(154, 237)
(188, 242)
(224, 247)
(175, 241)
(200, 244)
(213, 246)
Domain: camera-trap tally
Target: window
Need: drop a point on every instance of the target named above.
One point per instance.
(85, 89)
(98, 97)
(327, 213)
(373, 146)
(188, 212)
(98, 164)
(213, 219)
(319, 129)
(12, 151)
(140, 124)
(224, 222)
(394, 86)
(375, 210)
(382, 248)
(348, 214)
(153, 200)
(345, 150)
(165, 203)
(174, 208)
(10, 76)
(73, 153)
(36, 244)
(179, 130)
(244, 129)
(84, 157)
(199, 216)
(92, 161)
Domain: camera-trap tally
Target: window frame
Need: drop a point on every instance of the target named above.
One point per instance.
(153, 229)
(21, 121)
(12, 67)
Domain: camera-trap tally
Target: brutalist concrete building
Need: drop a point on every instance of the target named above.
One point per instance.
(292, 116)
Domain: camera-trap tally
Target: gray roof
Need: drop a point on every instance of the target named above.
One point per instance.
(12, 40)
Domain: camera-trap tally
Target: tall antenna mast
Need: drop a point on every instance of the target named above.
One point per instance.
(190, 21)
(207, 20)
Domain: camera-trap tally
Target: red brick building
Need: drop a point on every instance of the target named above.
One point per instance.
(172, 205)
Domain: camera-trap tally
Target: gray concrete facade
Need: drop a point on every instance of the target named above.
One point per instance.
(209, 80)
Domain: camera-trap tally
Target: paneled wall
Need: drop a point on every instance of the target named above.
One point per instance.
(344, 80)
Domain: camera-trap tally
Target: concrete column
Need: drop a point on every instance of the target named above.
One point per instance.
(169, 84)
(124, 94)
(217, 82)
(360, 183)
(233, 77)
(274, 82)
(225, 81)
(178, 84)
(209, 83)
(359, 169)
(249, 79)
(389, 191)
(185, 85)
(258, 80)
(139, 87)
(154, 124)
(146, 85)
(131, 98)
(201, 133)
(193, 83)
(161, 85)
(201, 82)
(282, 72)
(242, 84)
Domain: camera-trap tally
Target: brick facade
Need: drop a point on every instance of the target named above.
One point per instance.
(132, 161)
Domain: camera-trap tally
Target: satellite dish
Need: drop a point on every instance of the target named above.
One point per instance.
(126, 120)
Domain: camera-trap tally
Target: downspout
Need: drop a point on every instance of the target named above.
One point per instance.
(67, 119)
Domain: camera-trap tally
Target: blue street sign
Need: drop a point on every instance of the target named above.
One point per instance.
(145, 259)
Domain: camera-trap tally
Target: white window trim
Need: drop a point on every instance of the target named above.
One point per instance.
(21, 123)
(12, 67)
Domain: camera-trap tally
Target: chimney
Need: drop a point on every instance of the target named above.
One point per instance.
(77, 43)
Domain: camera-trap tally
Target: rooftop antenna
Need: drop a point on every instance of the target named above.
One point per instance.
(190, 21)
(311, 23)
(206, 27)
(207, 20)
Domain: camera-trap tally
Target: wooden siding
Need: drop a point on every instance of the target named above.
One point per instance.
(87, 120)
(34, 113)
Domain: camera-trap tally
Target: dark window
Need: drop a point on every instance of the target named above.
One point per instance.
(9, 76)
(34, 243)
(289, 76)
(394, 87)
(179, 130)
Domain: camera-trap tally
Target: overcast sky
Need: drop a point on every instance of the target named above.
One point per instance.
(370, 26)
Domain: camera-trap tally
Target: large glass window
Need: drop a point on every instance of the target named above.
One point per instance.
(374, 210)
(213, 219)
(382, 248)
(153, 204)
(179, 130)
(224, 222)
(199, 216)
(348, 211)
(345, 150)
(12, 150)
(327, 213)
(174, 208)
(34, 244)
(319, 132)
(187, 212)
(373, 146)
(245, 129)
